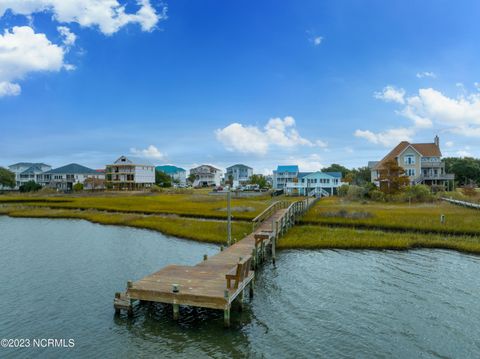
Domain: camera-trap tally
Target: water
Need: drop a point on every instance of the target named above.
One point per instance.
(58, 278)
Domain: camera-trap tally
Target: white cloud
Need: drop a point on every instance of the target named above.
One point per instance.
(423, 74)
(9, 89)
(464, 153)
(250, 139)
(391, 94)
(310, 163)
(23, 51)
(150, 152)
(317, 40)
(69, 37)
(108, 15)
(386, 138)
(449, 144)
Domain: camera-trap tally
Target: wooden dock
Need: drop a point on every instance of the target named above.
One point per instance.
(461, 203)
(219, 281)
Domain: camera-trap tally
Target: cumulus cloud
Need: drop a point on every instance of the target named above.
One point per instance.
(449, 144)
(386, 138)
(464, 153)
(391, 94)
(69, 37)
(317, 40)
(23, 51)
(424, 74)
(310, 163)
(108, 15)
(251, 139)
(149, 152)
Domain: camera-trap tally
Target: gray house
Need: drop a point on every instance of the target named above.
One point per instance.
(239, 174)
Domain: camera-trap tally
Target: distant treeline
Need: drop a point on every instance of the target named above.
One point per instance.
(466, 169)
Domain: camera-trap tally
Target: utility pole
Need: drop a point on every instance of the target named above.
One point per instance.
(229, 218)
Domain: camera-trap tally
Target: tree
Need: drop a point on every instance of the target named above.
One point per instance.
(30, 186)
(191, 178)
(392, 178)
(78, 187)
(229, 180)
(335, 167)
(162, 179)
(7, 178)
(465, 169)
(259, 180)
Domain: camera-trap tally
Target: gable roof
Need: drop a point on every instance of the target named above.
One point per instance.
(289, 168)
(32, 169)
(73, 168)
(425, 149)
(240, 165)
(29, 164)
(169, 169)
(124, 160)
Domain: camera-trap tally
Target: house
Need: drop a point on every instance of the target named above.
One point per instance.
(129, 174)
(239, 175)
(315, 184)
(422, 163)
(177, 174)
(27, 171)
(65, 177)
(284, 175)
(206, 176)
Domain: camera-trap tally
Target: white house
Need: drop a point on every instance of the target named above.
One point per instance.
(27, 171)
(239, 174)
(177, 174)
(315, 184)
(65, 177)
(206, 176)
(129, 174)
(284, 175)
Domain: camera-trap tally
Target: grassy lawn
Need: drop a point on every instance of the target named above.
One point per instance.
(197, 204)
(213, 231)
(348, 238)
(424, 217)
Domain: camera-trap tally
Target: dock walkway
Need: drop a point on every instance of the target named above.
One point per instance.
(461, 203)
(217, 282)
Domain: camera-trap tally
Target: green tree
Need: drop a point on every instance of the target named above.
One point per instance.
(7, 178)
(259, 180)
(335, 167)
(392, 178)
(162, 179)
(78, 187)
(191, 178)
(30, 186)
(466, 169)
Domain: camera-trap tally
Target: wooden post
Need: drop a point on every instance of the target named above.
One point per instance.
(176, 311)
(226, 317)
(273, 250)
(250, 287)
(254, 258)
(129, 284)
(229, 218)
(205, 257)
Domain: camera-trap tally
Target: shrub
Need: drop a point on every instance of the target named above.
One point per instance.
(356, 192)
(30, 186)
(377, 195)
(78, 187)
(418, 193)
(343, 190)
(469, 190)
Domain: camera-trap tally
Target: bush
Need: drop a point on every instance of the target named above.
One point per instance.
(417, 193)
(30, 186)
(377, 195)
(78, 187)
(343, 190)
(356, 192)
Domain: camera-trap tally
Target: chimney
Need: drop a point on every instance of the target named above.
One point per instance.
(436, 140)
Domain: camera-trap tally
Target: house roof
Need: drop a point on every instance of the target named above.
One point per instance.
(73, 168)
(28, 164)
(425, 149)
(303, 174)
(124, 160)
(289, 168)
(169, 169)
(33, 169)
(334, 174)
(239, 165)
(209, 166)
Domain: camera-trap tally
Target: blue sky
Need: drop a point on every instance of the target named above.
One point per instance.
(221, 82)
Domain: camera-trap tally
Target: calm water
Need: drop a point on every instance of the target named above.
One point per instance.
(58, 278)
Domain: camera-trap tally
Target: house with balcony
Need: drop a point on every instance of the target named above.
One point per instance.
(284, 175)
(65, 177)
(422, 163)
(177, 174)
(318, 184)
(239, 175)
(206, 176)
(129, 174)
(28, 171)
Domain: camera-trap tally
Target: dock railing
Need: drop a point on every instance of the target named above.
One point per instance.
(461, 203)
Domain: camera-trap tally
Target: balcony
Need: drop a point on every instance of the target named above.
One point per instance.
(432, 165)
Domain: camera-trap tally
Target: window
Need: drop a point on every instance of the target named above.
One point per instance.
(409, 159)
(411, 172)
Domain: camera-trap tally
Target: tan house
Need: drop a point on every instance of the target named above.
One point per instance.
(422, 163)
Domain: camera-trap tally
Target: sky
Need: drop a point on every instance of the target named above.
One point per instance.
(222, 82)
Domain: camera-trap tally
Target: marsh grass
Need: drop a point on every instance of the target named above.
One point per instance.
(422, 217)
(318, 237)
(213, 231)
